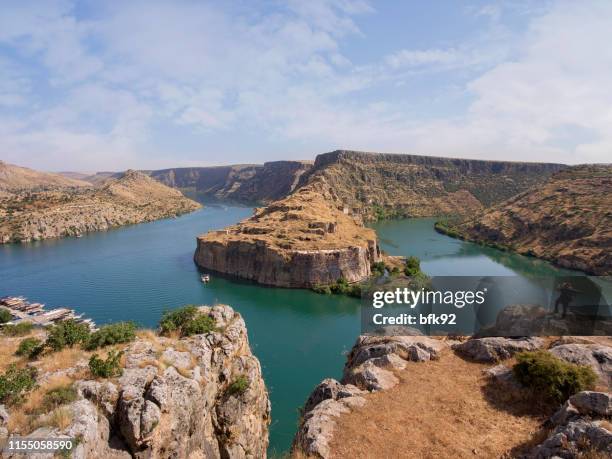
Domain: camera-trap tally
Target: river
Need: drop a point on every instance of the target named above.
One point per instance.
(137, 272)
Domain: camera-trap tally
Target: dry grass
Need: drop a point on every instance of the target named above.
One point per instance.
(9, 347)
(438, 410)
(63, 359)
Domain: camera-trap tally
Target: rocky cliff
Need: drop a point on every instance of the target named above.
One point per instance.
(174, 399)
(566, 220)
(386, 185)
(131, 198)
(254, 183)
(304, 240)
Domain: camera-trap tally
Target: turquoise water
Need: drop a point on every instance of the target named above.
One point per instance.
(135, 273)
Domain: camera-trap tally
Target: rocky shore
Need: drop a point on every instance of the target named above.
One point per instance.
(175, 397)
(59, 212)
(304, 240)
(566, 220)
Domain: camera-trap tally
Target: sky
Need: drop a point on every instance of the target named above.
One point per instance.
(90, 86)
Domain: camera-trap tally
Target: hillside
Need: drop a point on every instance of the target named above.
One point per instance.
(389, 185)
(250, 183)
(15, 178)
(131, 198)
(567, 220)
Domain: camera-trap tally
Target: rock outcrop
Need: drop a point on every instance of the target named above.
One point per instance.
(304, 240)
(174, 399)
(565, 220)
(132, 198)
(596, 356)
(369, 368)
(494, 349)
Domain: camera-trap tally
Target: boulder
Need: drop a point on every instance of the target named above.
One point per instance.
(593, 403)
(494, 349)
(504, 378)
(596, 356)
(4, 416)
(567, 440)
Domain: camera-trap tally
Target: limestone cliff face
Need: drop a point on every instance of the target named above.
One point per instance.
(566, 220)
(383, 185)
(129, 199)
(173, 400)
(301, 241)
(251, 183)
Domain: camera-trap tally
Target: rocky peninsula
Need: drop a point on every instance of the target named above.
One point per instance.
(175, 396)
(566, 220)
(304, 240)
(60, 211)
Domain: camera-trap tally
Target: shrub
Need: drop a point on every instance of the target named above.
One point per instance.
(58, 396)
(554, 378)
(323, 289)
(5, 316)
(187, 320)
(121, 332)
(340, 286)
(412, 267)
(20, 329)
(30, 347)
(239, 386)
(15, 382)
(67, 333)
(107, 368)
(378, 268)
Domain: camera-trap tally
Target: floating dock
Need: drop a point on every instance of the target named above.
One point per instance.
(24, 311)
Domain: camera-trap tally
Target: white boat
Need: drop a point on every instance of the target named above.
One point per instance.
(205, 278)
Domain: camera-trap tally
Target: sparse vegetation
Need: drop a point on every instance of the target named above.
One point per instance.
(106, 368)
(340, 287)
(186, 321)
(412, 266)
(20, 329)
(239, 386)
(5, 316)
(551, 378)
(58, 396)
(15, 382)
(120, 332)
(30, 348)
(67, 333)
(378, 268)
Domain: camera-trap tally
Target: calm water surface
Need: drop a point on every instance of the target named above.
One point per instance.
(135, 273)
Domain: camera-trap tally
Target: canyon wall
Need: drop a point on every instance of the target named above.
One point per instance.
(251, 183)
(392, 185)
(301, 241)
(566, 220)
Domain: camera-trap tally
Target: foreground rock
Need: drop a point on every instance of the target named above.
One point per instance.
(596, 356)
(174, 400)
(579, 427)
(369, 368)
(60, 212)
(304, 240)
(566, 221)
(494, 349)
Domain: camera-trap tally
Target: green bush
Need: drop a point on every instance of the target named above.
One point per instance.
(239, 386)
(20, 329)
(108, 367)
(553, 378)
(5, 316)
(412, 266)
(323, 289)
(67, 333)
(187, 321)
(120, 332)
(30, 347)
(378, 268)
(340, 287)
(15, 382)
(57, 397)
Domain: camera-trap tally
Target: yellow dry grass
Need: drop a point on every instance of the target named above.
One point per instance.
(440, 409)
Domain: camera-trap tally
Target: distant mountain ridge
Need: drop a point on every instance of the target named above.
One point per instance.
(16, 178)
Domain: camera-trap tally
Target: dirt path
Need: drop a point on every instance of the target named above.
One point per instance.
(441, 409)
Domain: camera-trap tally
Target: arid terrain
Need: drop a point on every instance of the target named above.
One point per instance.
(57, 211)
(566, 220)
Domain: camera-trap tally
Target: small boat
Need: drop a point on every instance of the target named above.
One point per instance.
(205, 278)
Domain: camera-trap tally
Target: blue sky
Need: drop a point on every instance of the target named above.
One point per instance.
(90, 85)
